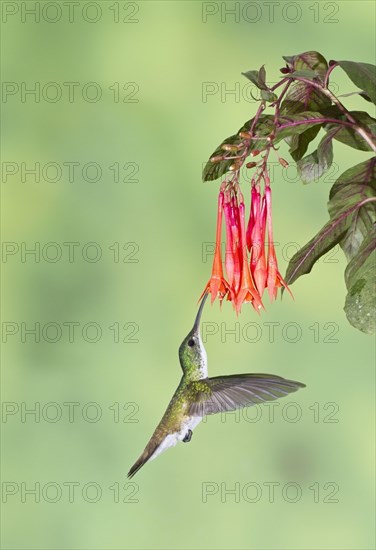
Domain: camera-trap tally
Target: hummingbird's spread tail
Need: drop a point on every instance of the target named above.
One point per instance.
(146, 455)
(162, 440)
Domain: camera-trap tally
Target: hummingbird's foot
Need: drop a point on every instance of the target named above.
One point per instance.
(188, 436)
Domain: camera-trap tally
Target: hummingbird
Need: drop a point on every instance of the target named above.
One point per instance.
(197, 395)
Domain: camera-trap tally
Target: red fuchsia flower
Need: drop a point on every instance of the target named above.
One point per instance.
(233, 259)
(256, 239)
(231, 255)
(252, 216)
(274, 279)
(217, 286)
(248, 291)
(247, 278)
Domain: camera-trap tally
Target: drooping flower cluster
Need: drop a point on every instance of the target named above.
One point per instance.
(250, 258)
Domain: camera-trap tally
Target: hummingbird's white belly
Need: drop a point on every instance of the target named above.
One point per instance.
(171, 439)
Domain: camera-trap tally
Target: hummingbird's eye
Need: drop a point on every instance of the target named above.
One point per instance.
(191, 343)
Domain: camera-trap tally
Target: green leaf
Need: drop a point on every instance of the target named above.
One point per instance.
(352, 188)
(365, 96)
(262, 77)
(346, 206)
(257, 78)
(362, 75)
(263, 128)
(330, 235)
(349, 136)
(362, 94)
(311, 60)
(252, 76)
(360, 277)
(367, 247)
(297, 123)
(309, 168)
(325, 149)
(305, 73)
(313, 166)
(268, 96)
(356, 183)
(302, 96)
(299, 143)
(214, 170)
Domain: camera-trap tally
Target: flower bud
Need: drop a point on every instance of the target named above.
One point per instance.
(283, 162)
(230, 148)
(217, 158)
(251, 164)
(245, 135)
(255, 153)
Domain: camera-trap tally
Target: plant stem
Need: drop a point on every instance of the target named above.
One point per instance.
(328, 72)
(350, 118)
(279, 84)
(367, 138)
(257, 116)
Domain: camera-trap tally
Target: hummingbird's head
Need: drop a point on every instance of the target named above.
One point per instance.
(192, 354)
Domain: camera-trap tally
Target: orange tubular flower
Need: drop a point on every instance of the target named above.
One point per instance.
(258, 259)
(247, 277)
(248, 291)
(274, 279)
(252, 216)
(233, 259)
(239, 249)
(217, 285)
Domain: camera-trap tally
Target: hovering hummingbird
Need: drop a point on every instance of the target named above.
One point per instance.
(197, 395)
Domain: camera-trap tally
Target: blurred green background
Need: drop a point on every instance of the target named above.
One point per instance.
(151, 64)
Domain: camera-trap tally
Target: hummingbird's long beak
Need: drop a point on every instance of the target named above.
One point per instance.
(196, 326)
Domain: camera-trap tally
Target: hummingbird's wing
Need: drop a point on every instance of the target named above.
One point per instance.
(227, 393)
